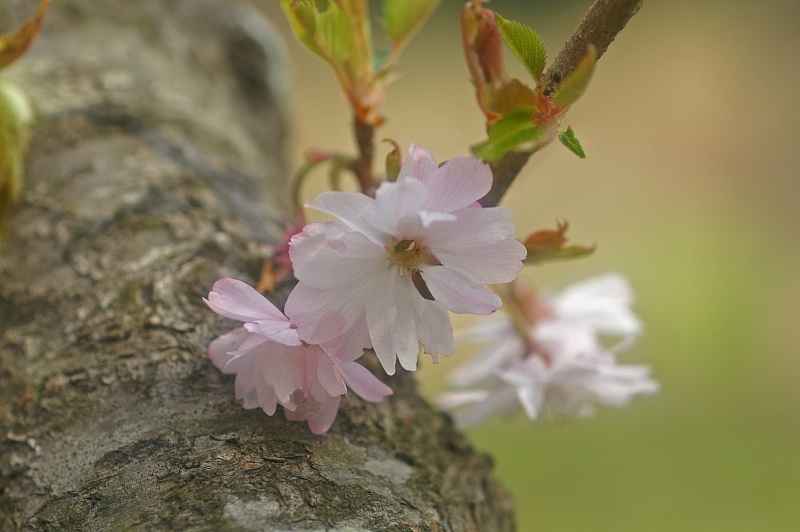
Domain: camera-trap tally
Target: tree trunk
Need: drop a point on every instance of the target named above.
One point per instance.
(155, 169)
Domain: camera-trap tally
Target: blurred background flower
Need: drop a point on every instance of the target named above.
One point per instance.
(691, 188)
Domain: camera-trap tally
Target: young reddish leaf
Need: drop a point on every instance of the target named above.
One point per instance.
(547, 245)
(572, 88)
(14, 46)
(568, 139)
(510, 95)
(525, 44)
(483, 51)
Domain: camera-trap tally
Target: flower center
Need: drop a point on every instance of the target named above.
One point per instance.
(409, 254)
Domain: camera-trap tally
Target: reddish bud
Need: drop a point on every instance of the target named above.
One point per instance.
(483, 44)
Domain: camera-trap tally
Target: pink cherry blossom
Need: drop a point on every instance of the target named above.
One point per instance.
(559, 367)
(273, 366)
(388, 272)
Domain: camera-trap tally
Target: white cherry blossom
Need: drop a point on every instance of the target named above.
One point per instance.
(559, 367)
(387, 274)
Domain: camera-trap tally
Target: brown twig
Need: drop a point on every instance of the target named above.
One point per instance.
(601, 24)
(365, 135)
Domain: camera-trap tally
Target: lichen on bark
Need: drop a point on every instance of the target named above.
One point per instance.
(156, 169)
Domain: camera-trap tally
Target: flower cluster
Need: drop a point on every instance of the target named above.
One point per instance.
(387, 274)
(383, 277)
(548, 358)
(273, 366)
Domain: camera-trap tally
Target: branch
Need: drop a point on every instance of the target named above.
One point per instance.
(600, 26)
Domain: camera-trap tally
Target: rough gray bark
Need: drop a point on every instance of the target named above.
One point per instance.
(155, 170)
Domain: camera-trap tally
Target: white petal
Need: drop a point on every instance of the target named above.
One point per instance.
(280, 332)
(434, 330)
(453, 400)
(420, 224)
(505, 350)
(395, 201)
(361, 381)
(459, 294)
(239, 301)
(458, 183)
(602, 302)
(330, 259)
(390, 319)
(500, 401)
(350, 208)
(474, 229)
(494, 264)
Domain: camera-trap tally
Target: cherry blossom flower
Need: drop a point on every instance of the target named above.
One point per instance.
(388, 272)
(273, 366)
(558, 367)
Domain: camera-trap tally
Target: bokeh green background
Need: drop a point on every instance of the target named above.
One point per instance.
(690, 187)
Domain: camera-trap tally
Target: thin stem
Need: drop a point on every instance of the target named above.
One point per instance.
(365, 138)
(601, 24)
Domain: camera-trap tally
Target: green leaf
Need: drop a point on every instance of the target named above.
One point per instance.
(572, 88)
(525, 44)
(402, 18)
(325, 33)
(568, 139)
(15, 120)
(513, 132)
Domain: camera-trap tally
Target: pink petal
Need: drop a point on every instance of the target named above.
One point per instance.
(363, 382)
(280, 332)
(459, 294)
(246, 384)
(323, 420)
(350, 346)
(457, 184)
(240, 301)
(267, 399)
(287, 371)
(328, 373)
(391, 325)
(219, 348)
(321, 315)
